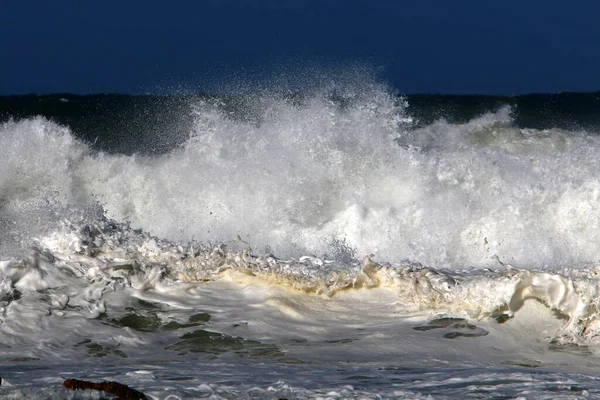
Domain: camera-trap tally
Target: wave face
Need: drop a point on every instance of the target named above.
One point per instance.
(338, 224)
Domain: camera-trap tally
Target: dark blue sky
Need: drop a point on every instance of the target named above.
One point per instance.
(418, 46)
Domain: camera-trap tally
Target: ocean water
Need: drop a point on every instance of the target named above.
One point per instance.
(342, 242)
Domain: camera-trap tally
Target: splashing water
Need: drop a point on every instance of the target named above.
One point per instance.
(294, 226)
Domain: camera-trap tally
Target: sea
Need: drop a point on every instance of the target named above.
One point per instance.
(343, 241)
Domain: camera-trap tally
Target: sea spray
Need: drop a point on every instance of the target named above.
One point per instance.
(301, 243)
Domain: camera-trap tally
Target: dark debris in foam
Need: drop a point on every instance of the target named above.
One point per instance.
(453, 328)
(98, 350)
(144, 318)
(214, 344)
(525, 363)
(150, 322)
(192, 341)
(569, 348)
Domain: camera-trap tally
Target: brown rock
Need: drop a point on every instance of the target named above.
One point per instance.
(122, 392)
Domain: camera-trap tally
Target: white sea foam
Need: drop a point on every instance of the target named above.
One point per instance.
(302, 177)
(85, 267)
(330, 228)
(307, 176)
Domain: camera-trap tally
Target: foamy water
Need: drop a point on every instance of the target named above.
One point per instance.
(324, 233)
